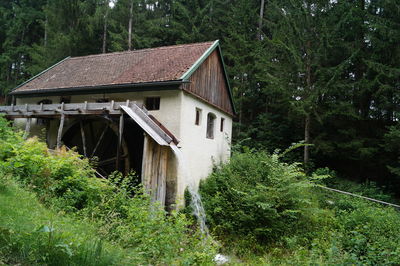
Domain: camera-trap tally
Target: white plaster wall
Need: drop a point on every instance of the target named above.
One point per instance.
(199, 152)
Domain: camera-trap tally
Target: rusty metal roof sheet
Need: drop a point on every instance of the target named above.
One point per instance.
(132, 67)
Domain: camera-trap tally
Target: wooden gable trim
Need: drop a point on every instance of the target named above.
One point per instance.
(199, 61)
(227, 80)
(185, 77)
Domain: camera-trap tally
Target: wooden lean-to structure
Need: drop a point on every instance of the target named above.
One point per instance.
(110, 116)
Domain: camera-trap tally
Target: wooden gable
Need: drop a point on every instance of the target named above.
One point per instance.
(209, 83)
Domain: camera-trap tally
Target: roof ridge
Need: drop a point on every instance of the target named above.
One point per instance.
(143, 50)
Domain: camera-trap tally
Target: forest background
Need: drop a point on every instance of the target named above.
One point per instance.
(326, 72)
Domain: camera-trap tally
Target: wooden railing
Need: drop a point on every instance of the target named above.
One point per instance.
(49, 110)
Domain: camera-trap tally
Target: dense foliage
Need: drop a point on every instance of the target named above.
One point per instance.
(322, 71)
(65, 182)
(258, 204)
(257, 197)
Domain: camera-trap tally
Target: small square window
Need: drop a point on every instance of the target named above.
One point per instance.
(152, 103)
(198, 117)
(221, 128)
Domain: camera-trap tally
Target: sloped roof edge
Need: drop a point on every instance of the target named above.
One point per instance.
(40, 73)
(199, 61)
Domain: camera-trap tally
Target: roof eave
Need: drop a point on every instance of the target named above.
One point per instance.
(160, 85)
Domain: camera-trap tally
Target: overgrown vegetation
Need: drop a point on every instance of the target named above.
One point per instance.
(31, 234)
(64, 182)
(257, 204)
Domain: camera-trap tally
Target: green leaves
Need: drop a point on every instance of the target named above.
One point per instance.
(257, 195)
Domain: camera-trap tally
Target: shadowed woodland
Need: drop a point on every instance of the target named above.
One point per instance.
(326, 72)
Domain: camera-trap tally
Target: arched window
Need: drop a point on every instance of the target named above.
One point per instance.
(210, 125)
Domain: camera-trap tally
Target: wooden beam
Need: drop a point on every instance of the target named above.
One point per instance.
(27, 127)
(99, 141)
(120, 134)
(83, 138)
(54, 110)
(60, 130)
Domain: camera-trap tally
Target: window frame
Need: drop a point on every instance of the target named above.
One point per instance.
(154, 105)
(210, 130)
(197, 119)
(222, 124)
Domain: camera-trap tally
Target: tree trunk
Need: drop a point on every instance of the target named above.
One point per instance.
(307, 123)
(46, 22)
(105, 30)
(45, 32)
(260, 20)
(130, 26)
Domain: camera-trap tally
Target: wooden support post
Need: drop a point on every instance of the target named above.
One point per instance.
(83, 138)
(27, 127)
(60, 130)
(120, 134)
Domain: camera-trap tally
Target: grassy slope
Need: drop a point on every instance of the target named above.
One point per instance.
(32, 234)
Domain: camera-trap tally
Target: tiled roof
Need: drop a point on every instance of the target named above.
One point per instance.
(139, 66)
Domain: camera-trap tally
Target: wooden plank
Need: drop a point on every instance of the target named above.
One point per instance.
(60, 130)
(147, 124)
(83, 138)
(162, 175)
(52, 110)
(120, 135)
(145, 162)
(154, 169)
(66, 107)
(56, 113)
(27, 127)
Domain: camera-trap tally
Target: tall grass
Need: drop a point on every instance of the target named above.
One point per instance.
(32, 234)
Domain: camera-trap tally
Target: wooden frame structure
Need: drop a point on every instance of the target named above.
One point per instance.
(155, 152)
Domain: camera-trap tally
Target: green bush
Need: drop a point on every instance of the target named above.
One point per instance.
(258, 199)
(364, 234)
(257, 203)
(65, 181)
